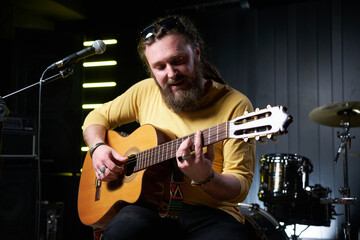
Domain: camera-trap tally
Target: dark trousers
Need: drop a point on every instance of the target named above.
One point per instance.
(195, 222)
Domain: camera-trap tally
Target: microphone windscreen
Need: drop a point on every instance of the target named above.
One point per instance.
(99, 47)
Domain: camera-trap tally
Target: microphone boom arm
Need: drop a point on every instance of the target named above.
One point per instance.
(62, 74)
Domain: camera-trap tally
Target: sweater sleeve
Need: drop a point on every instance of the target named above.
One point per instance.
(239, 157)
(123, 109)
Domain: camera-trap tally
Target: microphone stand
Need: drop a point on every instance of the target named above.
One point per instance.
(4, 112)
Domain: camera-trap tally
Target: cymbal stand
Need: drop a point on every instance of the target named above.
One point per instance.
(345, 144)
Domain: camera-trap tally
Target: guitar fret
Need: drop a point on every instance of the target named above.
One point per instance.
(208, 137)
(149, 159)
(171, 150)
(160, 151)
(174, 149)
(147, 154)
(157, 155)
(178, 142)
(166, 150)
(143, 160)
(138, 161)
(141, 163)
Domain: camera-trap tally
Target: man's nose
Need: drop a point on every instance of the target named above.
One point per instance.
(171, 71)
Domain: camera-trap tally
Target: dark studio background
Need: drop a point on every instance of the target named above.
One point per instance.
(301, 54)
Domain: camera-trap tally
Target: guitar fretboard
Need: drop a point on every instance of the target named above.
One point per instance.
(168, 150)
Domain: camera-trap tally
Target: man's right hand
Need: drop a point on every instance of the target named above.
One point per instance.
(107, 163)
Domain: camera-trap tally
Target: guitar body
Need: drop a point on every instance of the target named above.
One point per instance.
(98, 201)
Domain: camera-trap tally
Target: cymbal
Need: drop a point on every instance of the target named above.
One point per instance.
(334, 114)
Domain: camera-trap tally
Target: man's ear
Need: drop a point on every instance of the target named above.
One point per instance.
(197, 52)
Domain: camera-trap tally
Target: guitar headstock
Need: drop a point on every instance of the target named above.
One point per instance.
(266, 122)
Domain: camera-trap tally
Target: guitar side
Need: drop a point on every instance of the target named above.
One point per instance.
(98, 201)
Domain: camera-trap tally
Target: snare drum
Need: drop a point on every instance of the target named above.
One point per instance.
(264, 225)
(283, 176)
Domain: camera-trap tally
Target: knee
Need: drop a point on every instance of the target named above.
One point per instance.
(133, 222)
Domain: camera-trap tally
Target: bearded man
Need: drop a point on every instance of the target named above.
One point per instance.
(184, 95)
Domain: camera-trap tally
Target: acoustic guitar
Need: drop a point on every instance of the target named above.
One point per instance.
(148, 172)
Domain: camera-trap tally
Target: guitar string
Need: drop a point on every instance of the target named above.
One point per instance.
(167, 153)
(168, 150)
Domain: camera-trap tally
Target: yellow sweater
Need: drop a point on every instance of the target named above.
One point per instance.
(143, 103)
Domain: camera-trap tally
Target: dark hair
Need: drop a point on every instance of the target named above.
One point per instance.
(187, 28)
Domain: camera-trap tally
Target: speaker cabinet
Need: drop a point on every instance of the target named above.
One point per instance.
(17, 199)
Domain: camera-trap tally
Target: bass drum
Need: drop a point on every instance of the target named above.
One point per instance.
(265, 226)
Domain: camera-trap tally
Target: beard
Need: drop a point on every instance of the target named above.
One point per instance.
(187, 100)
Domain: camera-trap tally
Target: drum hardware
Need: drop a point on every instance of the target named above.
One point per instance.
(351, 200)
(294, 236)
(344, 115)
(345, 140)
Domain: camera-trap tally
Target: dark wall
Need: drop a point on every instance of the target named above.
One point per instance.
(302, 56)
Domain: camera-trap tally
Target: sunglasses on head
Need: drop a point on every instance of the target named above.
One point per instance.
(167, 24)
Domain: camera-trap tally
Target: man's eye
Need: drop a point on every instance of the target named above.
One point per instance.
(179, 60)
(160, 67)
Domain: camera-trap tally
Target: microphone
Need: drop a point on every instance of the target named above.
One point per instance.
(98, 47)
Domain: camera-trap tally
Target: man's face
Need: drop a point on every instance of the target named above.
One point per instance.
(176, 68)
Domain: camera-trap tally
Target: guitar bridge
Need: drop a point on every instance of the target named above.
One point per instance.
(98, 188)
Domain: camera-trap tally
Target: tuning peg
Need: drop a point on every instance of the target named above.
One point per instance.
(271, 137)
(246, 139)
(257, 109)
(268, 106)
(260, 139)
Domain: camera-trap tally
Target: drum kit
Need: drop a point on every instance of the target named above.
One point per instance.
(284, 180)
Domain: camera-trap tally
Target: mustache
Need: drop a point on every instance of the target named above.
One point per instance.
(175, 80)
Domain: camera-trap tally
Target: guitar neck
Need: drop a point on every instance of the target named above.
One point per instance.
(258, 124)
(168, 150)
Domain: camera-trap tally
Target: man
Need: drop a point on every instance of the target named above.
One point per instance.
(185, 94)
